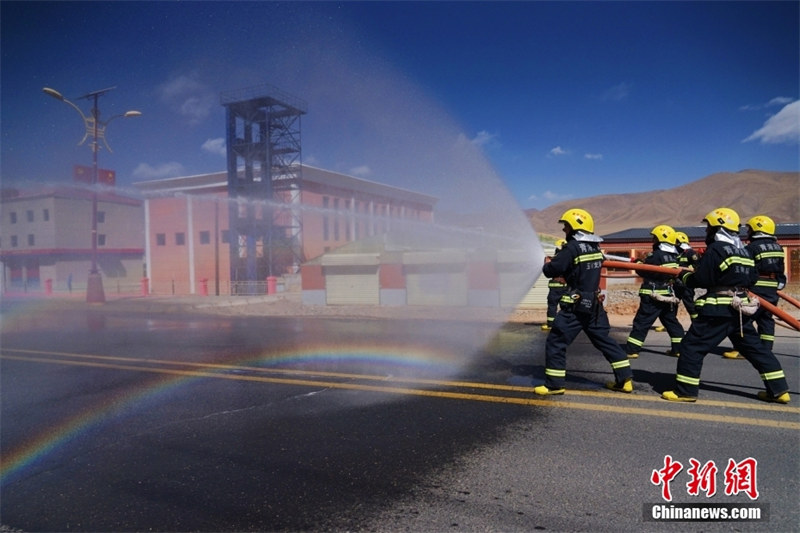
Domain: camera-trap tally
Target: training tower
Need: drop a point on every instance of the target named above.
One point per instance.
(264, 183)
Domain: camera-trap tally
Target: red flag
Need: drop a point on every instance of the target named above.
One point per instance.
(106, 177)
(82, 174)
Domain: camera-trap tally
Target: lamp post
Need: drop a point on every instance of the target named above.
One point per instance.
(95, 128)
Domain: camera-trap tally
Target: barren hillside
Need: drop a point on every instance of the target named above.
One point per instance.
(749, 192)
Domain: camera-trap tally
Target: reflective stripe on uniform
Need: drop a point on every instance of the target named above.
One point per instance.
(778, 374)
(769, 254)
(635, 342)
(595, 256)
(771, 283)
(688, 380)
(620, 364)
(648, 292)
(555, 373)
(675, 340)
(736, 260)
(765, 337)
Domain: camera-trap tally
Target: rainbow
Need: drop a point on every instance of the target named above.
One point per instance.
(409, 362)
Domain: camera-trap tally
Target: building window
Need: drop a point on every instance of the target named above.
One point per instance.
(14, 241)
(205, 237)
(101, 239)
(226, 236)
(180, 238)
(325, 219)
(101, 217)
(31, 240)
(161, 239)
(46, 215)
(29, 214)
(13, 216)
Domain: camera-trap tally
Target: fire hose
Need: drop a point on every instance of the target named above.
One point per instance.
(774, 309)
(789, 299)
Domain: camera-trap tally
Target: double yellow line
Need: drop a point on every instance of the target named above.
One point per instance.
(499, 393)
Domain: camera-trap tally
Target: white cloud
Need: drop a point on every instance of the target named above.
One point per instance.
(593, 156)
(361, 171)
(550, 197)
(617, 92)
(782, 127)
(558, 151)
(165, 170)
(483, 138)
(215, 146)
(777, 101)
(188, 97)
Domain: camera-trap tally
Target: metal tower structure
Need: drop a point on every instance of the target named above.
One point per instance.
(264, 182)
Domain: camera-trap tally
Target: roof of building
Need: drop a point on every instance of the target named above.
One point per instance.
(695, 233)
(73, 192)
(219, 181)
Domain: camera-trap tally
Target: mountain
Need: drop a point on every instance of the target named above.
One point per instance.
(749, 192)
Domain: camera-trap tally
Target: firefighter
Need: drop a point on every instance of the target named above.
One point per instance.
(556, 288)
(657, 299)
(581, 309)
(687, 258)
(769, 260)
(726, 270)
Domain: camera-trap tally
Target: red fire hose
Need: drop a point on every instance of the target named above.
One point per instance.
(789, 299)
(774, 309)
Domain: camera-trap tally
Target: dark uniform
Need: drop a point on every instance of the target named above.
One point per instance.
(657, 299)
(687, 258)
(726, 270)
(557, 287)
(769, 262)
(579, 263)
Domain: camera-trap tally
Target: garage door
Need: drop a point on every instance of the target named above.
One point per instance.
(436, 285)
(351, 279)
(516, 290)
(352, 285)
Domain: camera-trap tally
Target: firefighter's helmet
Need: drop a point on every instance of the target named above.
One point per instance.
(681, 238)
(664, 233)
(763, 224)
(723, 217)
(560, 243)
(578, 219)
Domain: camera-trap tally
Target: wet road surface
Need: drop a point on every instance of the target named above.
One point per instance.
(114, 420)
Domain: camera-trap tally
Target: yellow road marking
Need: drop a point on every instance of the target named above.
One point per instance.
(96, 361)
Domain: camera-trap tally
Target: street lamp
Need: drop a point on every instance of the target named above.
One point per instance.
(97, 130)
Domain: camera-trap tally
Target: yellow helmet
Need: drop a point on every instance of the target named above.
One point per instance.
(578, 219)
(762, 223)
(664, 233)
(681, 238)
(560, 243)
(723, 217)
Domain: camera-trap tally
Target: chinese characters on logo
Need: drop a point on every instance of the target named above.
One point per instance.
(738, 477)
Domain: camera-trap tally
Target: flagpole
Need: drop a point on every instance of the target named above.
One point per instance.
(94, 127)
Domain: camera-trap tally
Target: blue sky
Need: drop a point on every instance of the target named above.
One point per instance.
(564, 99)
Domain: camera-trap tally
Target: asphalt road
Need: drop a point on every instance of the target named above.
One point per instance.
(118, 420)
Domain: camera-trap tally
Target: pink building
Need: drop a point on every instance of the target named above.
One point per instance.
(188, 238)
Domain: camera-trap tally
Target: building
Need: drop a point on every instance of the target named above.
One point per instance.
(390, 272)
(46, 239)
(638, 242)
(187, 223)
